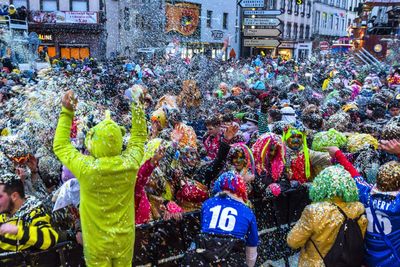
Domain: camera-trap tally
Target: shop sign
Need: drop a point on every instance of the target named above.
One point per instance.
(45, 37)
(286, 45)
(272, 22)
(64, 17)
(261, 42)
(217, 34)
(251, 3)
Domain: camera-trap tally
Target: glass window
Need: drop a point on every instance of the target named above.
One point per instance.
(317, 20)
(301, 35)
(296, 9)
(209, 18)
(283, 5)
(331, 21)
(79, 5)
(308, 9)
(324, 20)
(337, 24)
(49, 5)
(295, 31)
(127, 24)
(19, 3)
(288, 30)
(307, 32)
(290, 4)
(225, 21)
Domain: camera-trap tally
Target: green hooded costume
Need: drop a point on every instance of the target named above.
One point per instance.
(107, 180)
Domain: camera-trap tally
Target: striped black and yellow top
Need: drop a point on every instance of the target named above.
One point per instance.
(34, 228)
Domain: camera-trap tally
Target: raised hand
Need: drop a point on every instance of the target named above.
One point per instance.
(331, 150)
(390, 146)
(231, 132)
(69, 101)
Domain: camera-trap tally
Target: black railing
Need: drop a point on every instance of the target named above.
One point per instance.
(163, 243)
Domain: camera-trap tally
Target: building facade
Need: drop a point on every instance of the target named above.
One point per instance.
(68, 28)
(199, 26)
(332, 19)
(296, 28)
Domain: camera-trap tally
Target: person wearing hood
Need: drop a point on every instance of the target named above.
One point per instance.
(24, 222)
(381, 201)
(335, 198)
(106, 177)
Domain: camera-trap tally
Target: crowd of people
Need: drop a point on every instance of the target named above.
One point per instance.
(88, 149)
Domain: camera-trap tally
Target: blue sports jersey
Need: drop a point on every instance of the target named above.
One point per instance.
(387, 209)
(224, 215)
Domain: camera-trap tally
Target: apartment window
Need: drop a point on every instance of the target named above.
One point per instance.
(296, 9)
(225, 21)
(324, 20)
(295, 31)
(307, 32)
(49, 5)
(338, 3)
(303, 9)
(290, 5)
(288, 30)
(349, 23)
(337, 24)
(282, 28)
(79, 5)
(317, 20)
(209, 18)
(283, 6)
(301, 34)
(272, 4)
(331, 21)
(127, 16)
(343, 25)
(19, 3)
(308, 9)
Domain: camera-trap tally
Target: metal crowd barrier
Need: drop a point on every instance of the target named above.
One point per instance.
(163, 243)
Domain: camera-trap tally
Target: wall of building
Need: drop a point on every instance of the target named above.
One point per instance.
(112, 26)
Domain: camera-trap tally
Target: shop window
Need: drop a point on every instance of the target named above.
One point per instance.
(79, 5)
(49, 5)
(51, 50)
(209, 18)
(75, 52)
(225, 21)
(19, 3)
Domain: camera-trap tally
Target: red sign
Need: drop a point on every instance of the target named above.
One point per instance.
(323, 45)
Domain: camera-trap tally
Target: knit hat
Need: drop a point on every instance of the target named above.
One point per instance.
(328, 138)
(334, 181)
(389, 177)
(339, 121)
(356, 142)
(392, 129)
(231, 182)
(13, 146)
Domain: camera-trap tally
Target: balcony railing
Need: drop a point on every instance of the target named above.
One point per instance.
(14, 24)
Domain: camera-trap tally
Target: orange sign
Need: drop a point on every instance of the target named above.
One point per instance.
(183, 18)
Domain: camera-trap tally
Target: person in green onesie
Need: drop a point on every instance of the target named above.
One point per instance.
(107, 180)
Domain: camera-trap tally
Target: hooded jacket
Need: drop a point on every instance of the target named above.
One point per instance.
(107, 180)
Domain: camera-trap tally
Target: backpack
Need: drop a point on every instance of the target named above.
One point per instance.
(348, 248)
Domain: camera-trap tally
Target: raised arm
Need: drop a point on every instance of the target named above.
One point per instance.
(62, 147)
(341, 158)
(135, 149)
